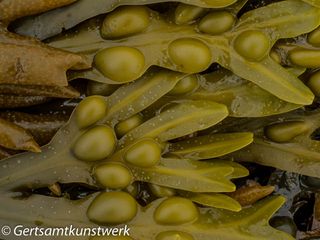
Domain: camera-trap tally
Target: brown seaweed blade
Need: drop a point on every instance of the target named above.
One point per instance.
(251, 193)
(36, 90)
(15, 137)
(36, 65)
(26, 61)
(31, 73)
(14, 101)
(41, 126)
(13, 9)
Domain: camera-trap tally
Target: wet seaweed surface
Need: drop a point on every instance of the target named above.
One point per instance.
(220, 118)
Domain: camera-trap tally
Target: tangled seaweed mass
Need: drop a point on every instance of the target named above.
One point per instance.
(183, 119)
